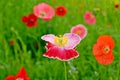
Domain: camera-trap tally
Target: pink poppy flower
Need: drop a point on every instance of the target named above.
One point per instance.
(89, 18)
(62, 47)
(80, 30)
(44, 11)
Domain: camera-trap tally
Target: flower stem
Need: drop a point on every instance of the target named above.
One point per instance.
(65, 70)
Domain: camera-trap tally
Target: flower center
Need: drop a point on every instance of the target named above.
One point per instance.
(91, 17)
(61, 41)
(42, 14)
(78, 32)
(19, 79)
(61, 10)
(106, 50)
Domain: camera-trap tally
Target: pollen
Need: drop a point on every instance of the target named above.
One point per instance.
(106, 50)
(19, 79)
(78, 32)
(61, 40)
(42, 14)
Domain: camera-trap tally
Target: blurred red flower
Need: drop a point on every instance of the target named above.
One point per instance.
(11, 42)
(20, 76)
(102, 50)
(30, 20)
(117, 6)
(61, 11)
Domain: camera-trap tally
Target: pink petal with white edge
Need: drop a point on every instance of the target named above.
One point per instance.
(73, 40)
(48, 38)
(44, 8)
(61, 54)
(79, 28)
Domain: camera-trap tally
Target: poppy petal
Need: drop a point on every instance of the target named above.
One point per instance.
(106, 39)
(97, 49)
(10, 78)
(48, 38)
(22, 73)
(61, 54)
(49, 45)
(105, 59)
(73, 40)
(24, 19)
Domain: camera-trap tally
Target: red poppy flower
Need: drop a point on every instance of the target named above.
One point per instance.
(30, 20)
(116, 6)
(11, 42)
(61, 11)
(20, 76)
(102, 50)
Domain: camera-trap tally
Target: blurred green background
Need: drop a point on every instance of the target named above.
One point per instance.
(28, 48)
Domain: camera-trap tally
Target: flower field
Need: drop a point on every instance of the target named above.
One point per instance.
(59, 40)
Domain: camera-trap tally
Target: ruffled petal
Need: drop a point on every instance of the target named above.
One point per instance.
(61, 54)
(98, 49)
(10, 78)
(106, 39)
(105, 59)
(49, 45)
(48, 38)
(73, 40)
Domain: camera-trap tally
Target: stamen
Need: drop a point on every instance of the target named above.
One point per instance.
(42, 14)
(19, 79)
(78, 32)
(106, 50)
(61, 40)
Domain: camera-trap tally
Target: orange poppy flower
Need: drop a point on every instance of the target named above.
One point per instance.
(102, 50)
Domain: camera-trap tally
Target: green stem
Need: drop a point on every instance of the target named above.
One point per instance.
(65, 70)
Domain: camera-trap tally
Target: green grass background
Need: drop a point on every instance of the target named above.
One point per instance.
(23, 53)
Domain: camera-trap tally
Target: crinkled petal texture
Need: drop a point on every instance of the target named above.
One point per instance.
(44, 11)
(80, 30)
(10, 77)
(61, 53)
(102, 50)
(105, 59)
(97, 49)
(106, 39)
(89, 18)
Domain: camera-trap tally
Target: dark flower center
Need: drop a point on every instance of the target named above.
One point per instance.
(61, 10)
